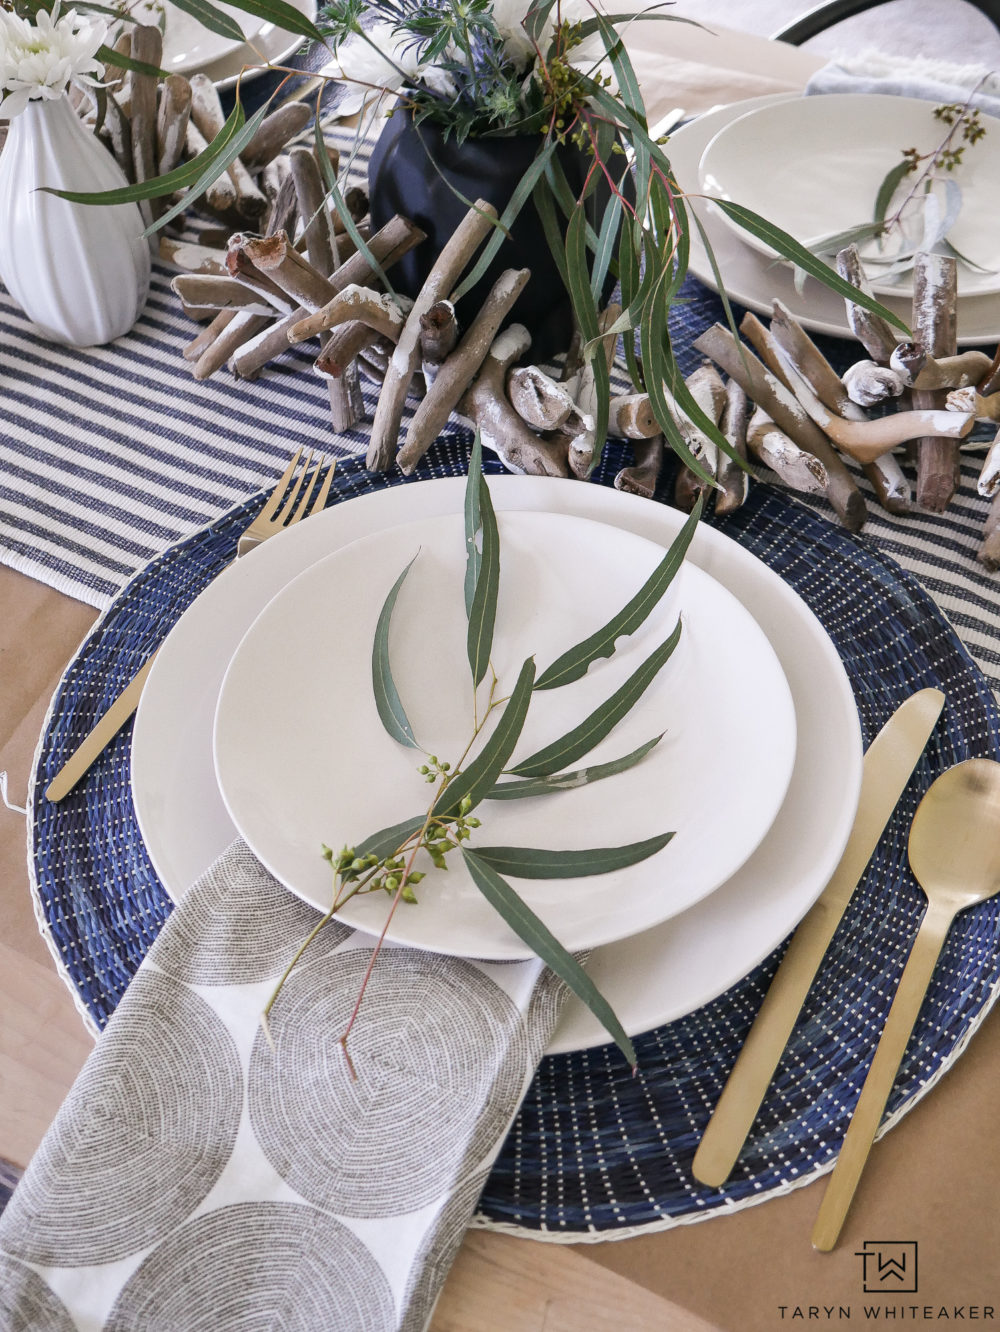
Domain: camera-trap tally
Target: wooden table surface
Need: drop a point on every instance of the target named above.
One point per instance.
(934, 1180)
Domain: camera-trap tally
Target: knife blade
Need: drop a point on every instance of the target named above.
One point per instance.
(104, 731)
(888, 765)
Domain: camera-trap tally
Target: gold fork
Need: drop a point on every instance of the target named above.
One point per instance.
(281, 510)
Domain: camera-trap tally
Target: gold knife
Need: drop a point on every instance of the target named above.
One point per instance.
(888, 765)
(105, 730)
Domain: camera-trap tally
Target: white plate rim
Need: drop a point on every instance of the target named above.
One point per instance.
(756, 115)
(754, 281)
(720, 640)
(178, 805)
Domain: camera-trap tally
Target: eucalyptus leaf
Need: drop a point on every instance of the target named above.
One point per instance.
(230, 149)
(582, 739)
(107, 55)
(503, 223)
(390, 707)
(483, 611)
(281, 14)
(476, 779)
(215, 20)
(576, 661)
(887, 189)
(543, 943)
(343, 212)
(789, 248)
(387, 841)
(606, 238)
(837, 240)
(473, 521)
(570, 781)
(178, 179)
(934, 223)
(532, 863)
(952, 204)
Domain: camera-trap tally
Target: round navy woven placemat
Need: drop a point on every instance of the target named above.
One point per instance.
(594, 1152)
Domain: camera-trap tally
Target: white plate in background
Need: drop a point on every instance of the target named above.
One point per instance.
(814, 167)
(756, 281)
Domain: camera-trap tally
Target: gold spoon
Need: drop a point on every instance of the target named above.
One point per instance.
(954, 852)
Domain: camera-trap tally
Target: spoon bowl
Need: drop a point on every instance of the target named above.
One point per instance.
(954, 852)
(954, 845)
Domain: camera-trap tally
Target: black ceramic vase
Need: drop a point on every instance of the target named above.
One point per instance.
(410, 171)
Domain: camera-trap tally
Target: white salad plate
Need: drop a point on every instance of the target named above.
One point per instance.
(814, 168)
(650, 979)
(305, 762)
(753, 279)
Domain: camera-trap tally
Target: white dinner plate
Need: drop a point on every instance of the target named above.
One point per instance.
(814, 168)
(650, 979)
(305, 762)
(756, 281)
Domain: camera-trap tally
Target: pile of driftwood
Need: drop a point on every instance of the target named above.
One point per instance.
(787, 408)
(299, 279)
(153, 126)
(265, 292)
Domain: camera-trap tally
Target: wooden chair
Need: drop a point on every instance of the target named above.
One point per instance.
(833, 11)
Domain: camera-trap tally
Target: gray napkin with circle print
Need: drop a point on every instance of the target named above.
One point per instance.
(197, 1178)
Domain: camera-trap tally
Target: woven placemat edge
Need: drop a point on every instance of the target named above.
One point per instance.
(34, 784)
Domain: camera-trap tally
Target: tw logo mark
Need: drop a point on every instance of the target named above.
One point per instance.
(889, 1266)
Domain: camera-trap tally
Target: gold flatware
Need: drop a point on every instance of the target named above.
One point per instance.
(954, 853)
(280, 511)
(888, 764)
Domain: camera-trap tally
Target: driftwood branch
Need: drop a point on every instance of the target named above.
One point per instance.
(388, 244)
(242, 329)
(806, 359)
(378, 310)
(172, 121)
(438, 336)
(871, 330)
(273, 132)
(485, 406)
(732, 479)
(209, 118)
(448, 267)
(457, 372)
(644, 474)
(797, 467)
(794, 398)
(935, 304)
(540, 401)
(211, 292)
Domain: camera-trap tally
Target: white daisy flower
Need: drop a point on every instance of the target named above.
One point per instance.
(38, 60)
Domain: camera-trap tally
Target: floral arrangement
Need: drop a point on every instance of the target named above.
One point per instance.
(472, 68)
(555, 69)
(38, 60)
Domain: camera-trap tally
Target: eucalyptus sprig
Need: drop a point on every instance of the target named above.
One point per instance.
(396, 859)
(916, 184)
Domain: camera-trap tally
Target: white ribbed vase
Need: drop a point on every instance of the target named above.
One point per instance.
(78, 271)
